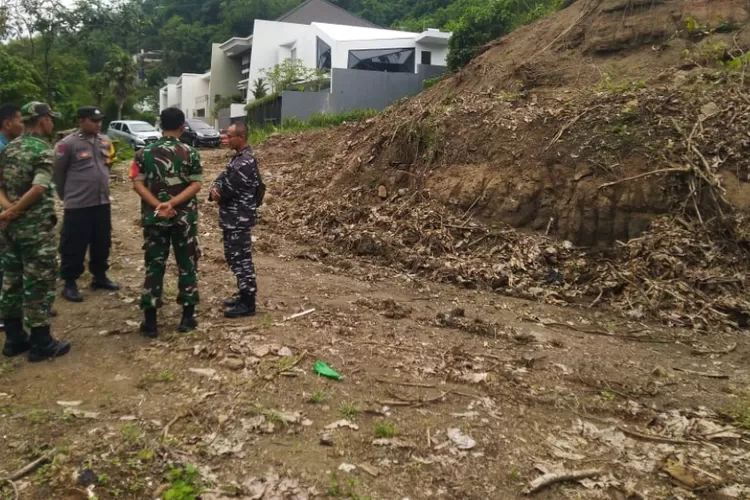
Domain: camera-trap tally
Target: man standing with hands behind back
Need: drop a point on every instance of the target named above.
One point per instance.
(239, 192)
(81, 174)
(167, 175)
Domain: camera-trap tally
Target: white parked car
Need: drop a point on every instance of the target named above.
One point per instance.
(135, 133)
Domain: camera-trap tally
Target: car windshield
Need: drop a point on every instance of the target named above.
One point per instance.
(199, 125)
(141, 127)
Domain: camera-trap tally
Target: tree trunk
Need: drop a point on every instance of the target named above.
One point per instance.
(119, 109)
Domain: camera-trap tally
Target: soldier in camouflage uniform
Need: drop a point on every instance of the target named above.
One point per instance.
(239, 192)
(167, 175)
(11, 126)
(28, 220)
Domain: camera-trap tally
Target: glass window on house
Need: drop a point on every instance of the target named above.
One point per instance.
(427, 57)
(388, 60)
(323, 56)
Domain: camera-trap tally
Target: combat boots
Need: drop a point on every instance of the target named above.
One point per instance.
(104, 283)
(244, 307)
(232, 301)
(71, 293)
(149, 325)
(44, 346)
(16, 340)
(188, 322)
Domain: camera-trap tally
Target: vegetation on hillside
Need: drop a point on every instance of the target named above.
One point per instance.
(70, 56)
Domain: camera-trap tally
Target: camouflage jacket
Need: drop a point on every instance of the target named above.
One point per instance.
(27, 161)
(241, 190)
(167, 167)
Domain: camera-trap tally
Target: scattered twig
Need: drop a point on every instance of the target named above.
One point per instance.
(15, 488)
(74, 328)
(653, 438)
(646, 174)
(388, 402)
(491, 356)
(551, 478)
(729, 349)
(702, 374)
(407, 384)
(465, 394)
(597, 299)
(299, 315)
(420, 401)
(562, 131)
(165, 431)
(295, 363)
(28, 469)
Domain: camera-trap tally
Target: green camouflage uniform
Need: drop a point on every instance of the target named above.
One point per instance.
(29, 259)
(167, 167)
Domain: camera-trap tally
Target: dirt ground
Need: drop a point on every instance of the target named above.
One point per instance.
(447, 393)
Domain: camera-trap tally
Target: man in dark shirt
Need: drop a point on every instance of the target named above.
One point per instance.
(81, 175)
(239, 192)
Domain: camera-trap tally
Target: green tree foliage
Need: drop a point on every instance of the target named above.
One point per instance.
(20, 82)
(260, 89)
(482, 24)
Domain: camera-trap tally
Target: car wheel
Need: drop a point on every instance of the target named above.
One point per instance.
(194, 142)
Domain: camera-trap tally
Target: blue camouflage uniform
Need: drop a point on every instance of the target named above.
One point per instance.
(241, 190)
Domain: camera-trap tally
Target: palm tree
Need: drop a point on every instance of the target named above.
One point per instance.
(120, 72)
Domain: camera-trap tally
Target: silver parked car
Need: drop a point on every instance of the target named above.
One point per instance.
(135, 133)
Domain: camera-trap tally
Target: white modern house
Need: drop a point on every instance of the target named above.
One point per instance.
(230, 61)
(189, 92)
(369, 67)
(331, 46)
(168, 93)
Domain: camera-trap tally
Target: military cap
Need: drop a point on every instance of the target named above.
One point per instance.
(36, 109)
(91, 113)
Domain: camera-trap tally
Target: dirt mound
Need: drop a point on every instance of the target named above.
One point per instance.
(588, 126)
(530, 130)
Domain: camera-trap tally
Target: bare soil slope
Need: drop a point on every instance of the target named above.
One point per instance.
(587, 126)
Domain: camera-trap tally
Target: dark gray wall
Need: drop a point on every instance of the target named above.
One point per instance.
(223, 118)
(426, 72)
(357, 89)
(360, 89)
(319, 11)
(303, 104)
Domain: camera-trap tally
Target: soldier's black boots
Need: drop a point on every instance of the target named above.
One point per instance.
(104, 283)
(71, 293)
(231, 302)
(244, 307)
(149, 326)
(188, 322)
(44, 346)
(16, 340)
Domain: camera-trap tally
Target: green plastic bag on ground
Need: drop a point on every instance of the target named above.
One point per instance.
(324, 370)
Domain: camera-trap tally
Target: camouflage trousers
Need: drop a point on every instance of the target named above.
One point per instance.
(29, 264)
(238, 252)
(158, 240)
